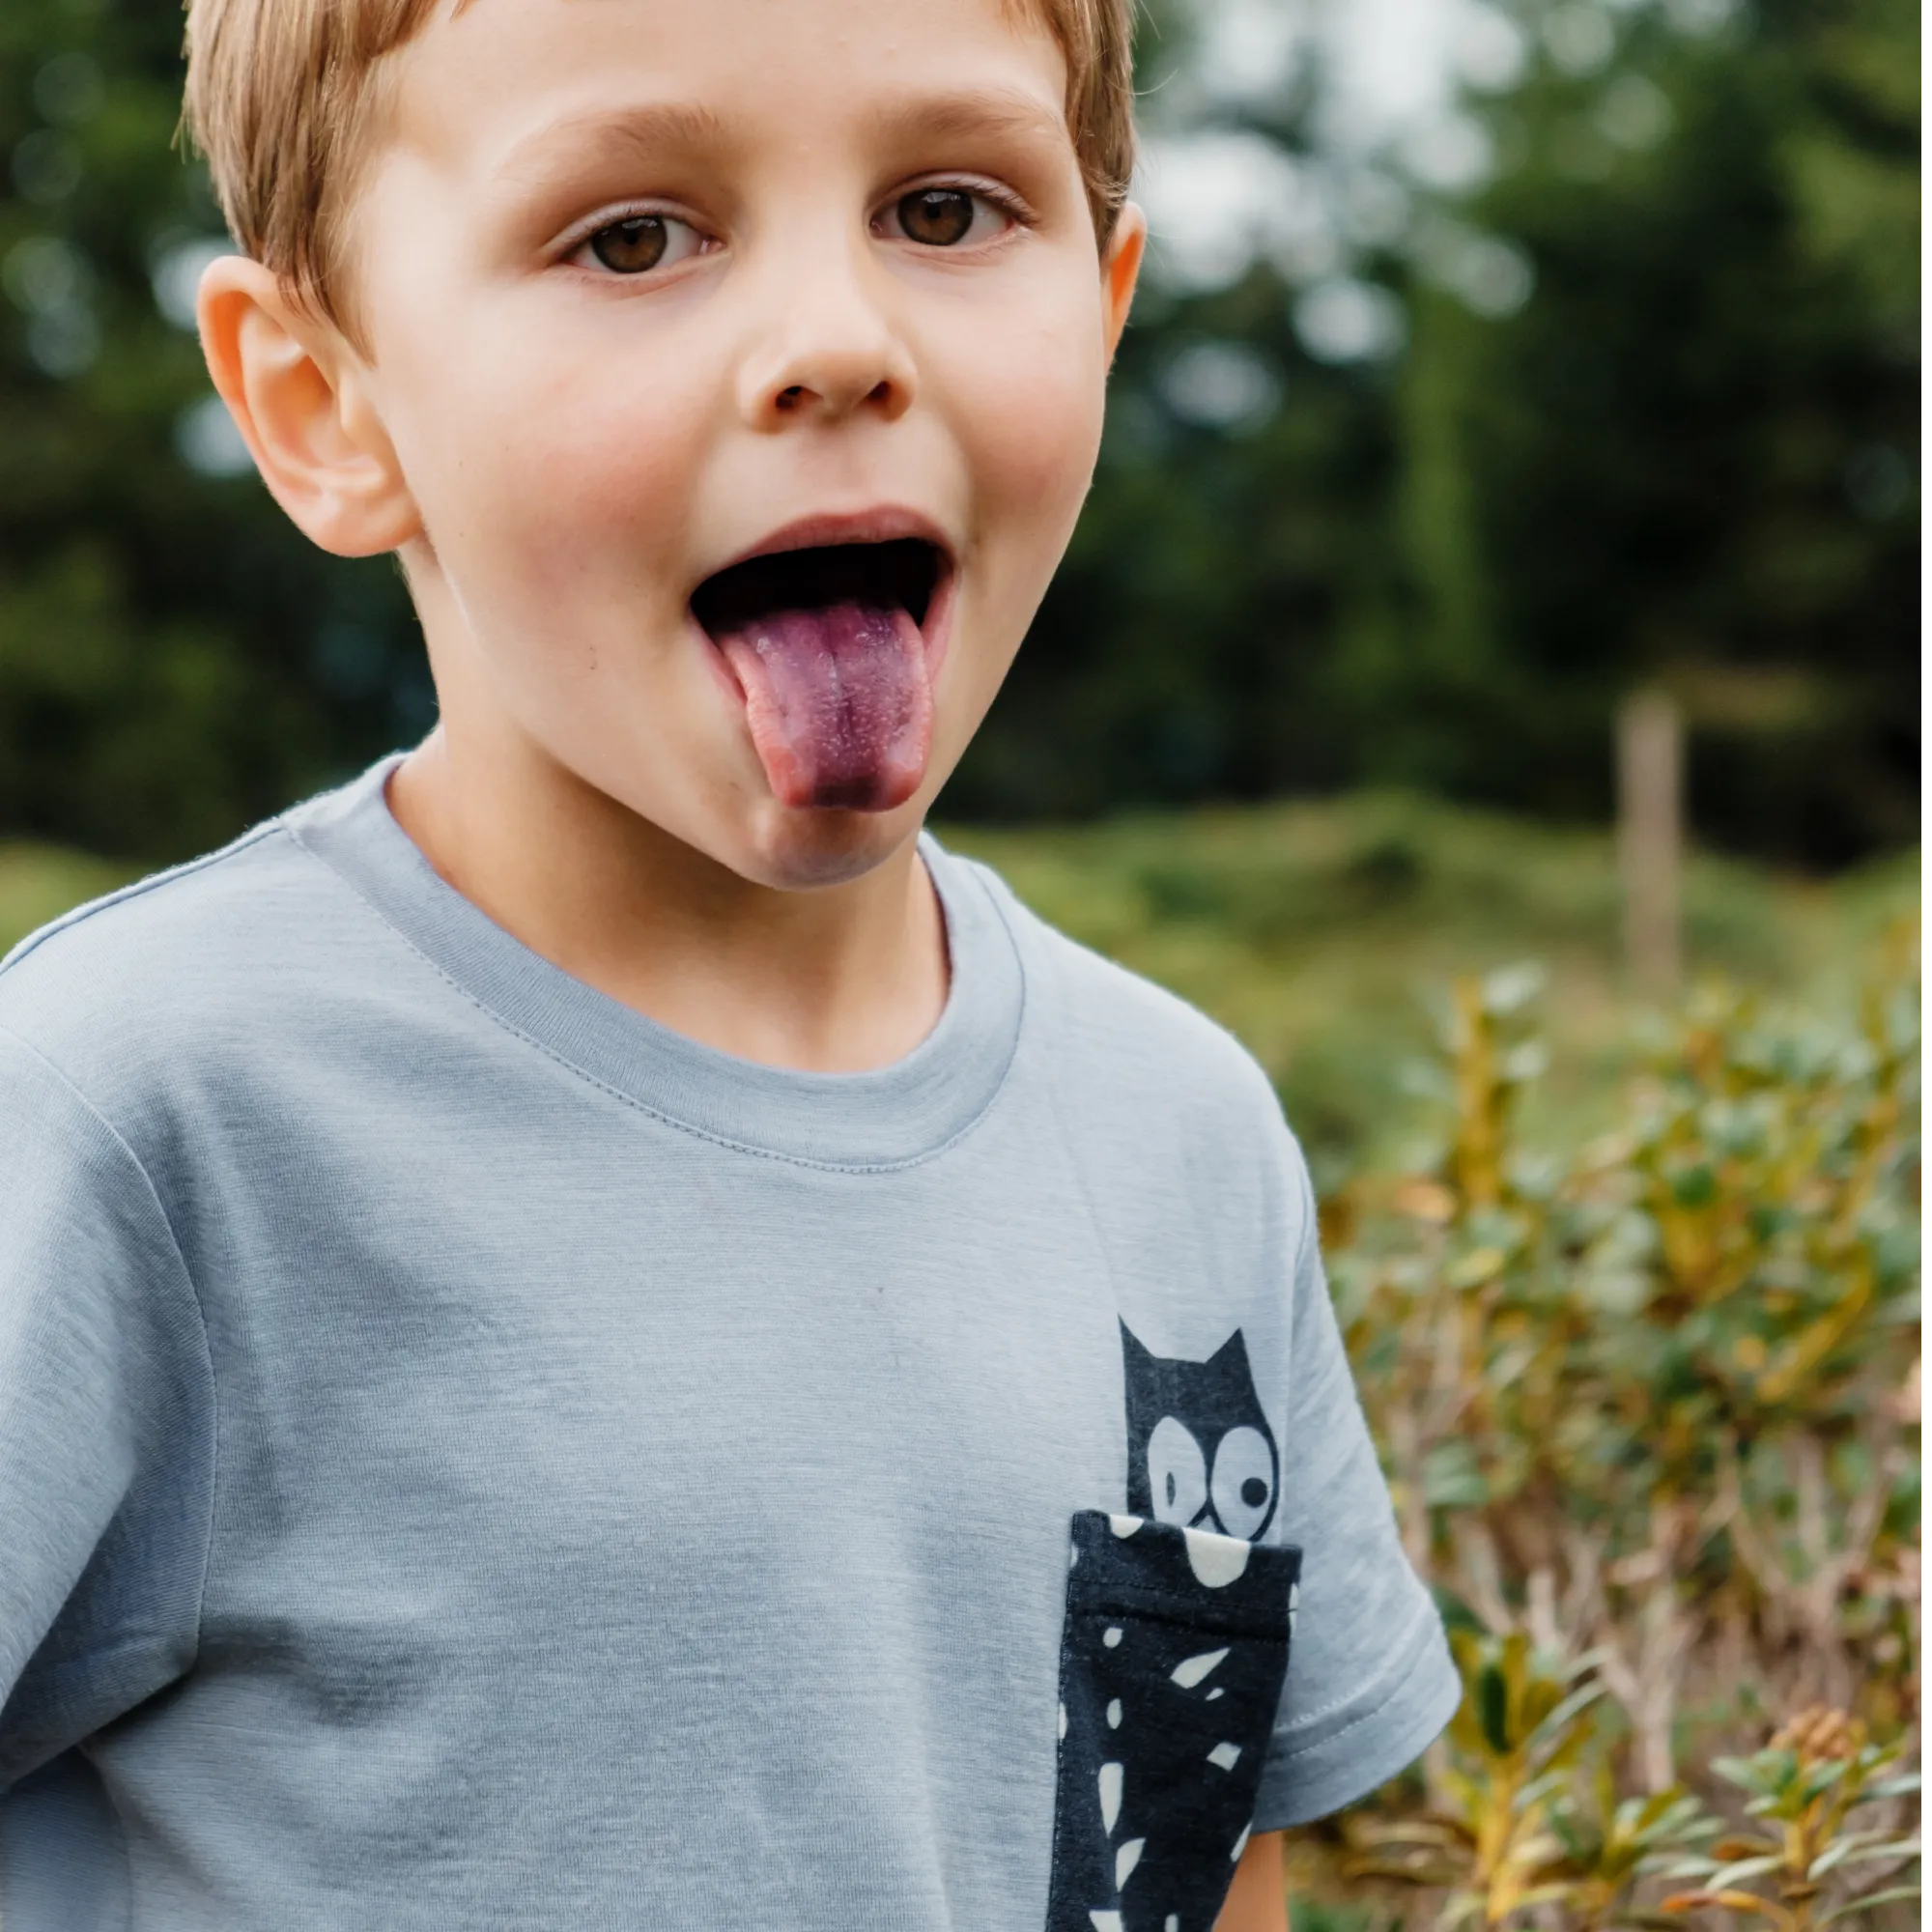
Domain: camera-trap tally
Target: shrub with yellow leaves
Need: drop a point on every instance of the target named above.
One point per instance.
(1653, 1406)
(1526, 1814)
(1804, 1785)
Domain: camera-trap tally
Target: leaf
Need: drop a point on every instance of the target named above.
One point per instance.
(1573, 1706)
(1821, 1778)
(1694, 1186)
(1579, 1846)
(1417, 1874)
(1508, 989)
(1726, 1877)
(1687, 1868)
(1655, 1810)
(1478, 1265)
(1888, 1896)
(1492, 1709)
(1895, 1787)
(1730, 1901)
(1841, 1848)
(1545, 1894)
(1541, 1699)
(1407, 1831)
(1902, 1848)
(1452, 1479)
(1539, 1789)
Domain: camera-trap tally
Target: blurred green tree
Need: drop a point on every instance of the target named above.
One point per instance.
(1691, 456)
(1656, 419)
(174, 661)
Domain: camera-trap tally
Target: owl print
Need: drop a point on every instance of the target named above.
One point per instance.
(1200, 1451)
(1173, 1650)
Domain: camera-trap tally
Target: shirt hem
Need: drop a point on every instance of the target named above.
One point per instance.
(1301, 1785)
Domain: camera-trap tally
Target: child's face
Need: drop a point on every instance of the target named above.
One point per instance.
(649, 287)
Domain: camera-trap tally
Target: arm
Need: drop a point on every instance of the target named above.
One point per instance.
(1258, 1899)
(106, 1424)
(1370, 1679)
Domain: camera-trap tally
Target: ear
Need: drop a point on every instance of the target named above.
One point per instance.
(302, 396)
(1121, 271)
(1231, 1358)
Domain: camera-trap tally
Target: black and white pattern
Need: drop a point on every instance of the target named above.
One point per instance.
(1200, 1450)
(1172, 1660)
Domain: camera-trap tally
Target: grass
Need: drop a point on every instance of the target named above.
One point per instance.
(1320, 932)
(40, 882)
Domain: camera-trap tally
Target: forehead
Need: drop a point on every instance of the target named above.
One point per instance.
(497, 79)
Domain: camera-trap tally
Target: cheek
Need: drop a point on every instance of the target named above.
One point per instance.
(552, 469)
(1025, 397)
(1031, 427)
(1026, 390)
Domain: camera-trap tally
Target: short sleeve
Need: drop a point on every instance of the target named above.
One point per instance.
(106, 1424)
(1369, 1681)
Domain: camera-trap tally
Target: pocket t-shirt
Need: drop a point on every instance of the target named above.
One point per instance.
(471, 1458)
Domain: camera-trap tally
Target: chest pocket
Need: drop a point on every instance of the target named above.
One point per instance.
(1172, 1658)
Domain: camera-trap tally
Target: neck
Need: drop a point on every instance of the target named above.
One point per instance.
(838, 980)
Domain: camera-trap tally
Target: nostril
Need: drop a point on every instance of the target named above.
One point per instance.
(788, 399)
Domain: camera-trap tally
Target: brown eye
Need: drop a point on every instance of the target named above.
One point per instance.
(630, 247)
(938, 216)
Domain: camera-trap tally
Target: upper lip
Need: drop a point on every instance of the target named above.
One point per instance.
(887, 523)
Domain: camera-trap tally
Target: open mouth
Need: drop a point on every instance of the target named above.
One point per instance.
(828, 647)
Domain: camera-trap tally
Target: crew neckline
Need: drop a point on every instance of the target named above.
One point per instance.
(886, 1117)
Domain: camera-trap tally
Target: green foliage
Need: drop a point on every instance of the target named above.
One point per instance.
(38, 883)
(1651, 1406)
(1802, 1867)
(1527, 1814)
(174, 661)
(1688, 459)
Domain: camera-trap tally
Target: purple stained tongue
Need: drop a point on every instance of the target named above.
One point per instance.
(839, 702)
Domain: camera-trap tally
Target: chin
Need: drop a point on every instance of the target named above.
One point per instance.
(799, 849)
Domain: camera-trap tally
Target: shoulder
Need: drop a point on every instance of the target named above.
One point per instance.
(1111, 1028)
(1146, 1084)
(142, 980)
(1175, 1142)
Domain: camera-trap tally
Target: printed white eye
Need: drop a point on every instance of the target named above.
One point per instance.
(1177, 1472)
(640, 244)
(1243, 1482)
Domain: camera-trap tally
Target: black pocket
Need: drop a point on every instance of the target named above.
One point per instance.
(1171, 1666)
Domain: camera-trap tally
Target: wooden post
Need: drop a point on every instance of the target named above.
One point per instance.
(1650, 838)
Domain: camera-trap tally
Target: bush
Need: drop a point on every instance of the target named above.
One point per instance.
(1649, 1414)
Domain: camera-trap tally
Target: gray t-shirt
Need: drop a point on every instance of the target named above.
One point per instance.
(472, 1458)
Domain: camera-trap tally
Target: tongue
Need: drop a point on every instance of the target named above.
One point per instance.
(839, 702)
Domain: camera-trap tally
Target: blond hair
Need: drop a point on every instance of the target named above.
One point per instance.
(285, 98)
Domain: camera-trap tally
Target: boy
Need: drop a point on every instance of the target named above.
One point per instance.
(593, 1332)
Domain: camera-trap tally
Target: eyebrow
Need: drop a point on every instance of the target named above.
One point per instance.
(557, 150)
(992, 110)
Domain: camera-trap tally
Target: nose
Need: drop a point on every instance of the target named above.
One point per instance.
(831, 352)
